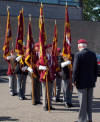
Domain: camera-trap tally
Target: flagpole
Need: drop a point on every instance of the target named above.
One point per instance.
(70, 74)
(8, 7)
(32, 73)
(55, 79)
(48, 99)
(70, 68)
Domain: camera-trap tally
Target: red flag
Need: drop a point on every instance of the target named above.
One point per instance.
(30, 56)
(54, 50)
(41, 25)
(19, 40)
(67, 44)
(8, 37)
(42, 41)
(67, 37)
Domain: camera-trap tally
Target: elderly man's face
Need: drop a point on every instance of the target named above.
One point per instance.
(36, 49)
(48, 50)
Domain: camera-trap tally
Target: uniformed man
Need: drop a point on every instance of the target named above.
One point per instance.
(12, 78)
(50, 78)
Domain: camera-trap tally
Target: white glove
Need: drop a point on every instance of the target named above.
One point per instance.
(30, 69)
(63, 64)
(9, 57)
(42, 67)
(18, 58)
(24, 68)
(13, 56)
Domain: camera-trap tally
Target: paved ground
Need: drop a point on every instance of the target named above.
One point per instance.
(13, 109)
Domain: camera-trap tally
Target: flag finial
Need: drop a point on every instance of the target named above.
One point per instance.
(55, 21)
(22, 9)
(30, 16)
(41, 4)
(66, 3)
(8, 7)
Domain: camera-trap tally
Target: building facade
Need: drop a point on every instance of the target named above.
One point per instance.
(53, 9)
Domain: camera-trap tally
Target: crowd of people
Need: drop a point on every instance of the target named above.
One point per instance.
(84, 74)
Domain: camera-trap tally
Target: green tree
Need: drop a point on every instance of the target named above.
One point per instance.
(91, 10)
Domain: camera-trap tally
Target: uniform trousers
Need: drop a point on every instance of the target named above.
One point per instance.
(66, 90)
(23, 85)
(44, 93)
(85, 100)
(58, 86)
(19, 84)
(12, 84)
(36, 90)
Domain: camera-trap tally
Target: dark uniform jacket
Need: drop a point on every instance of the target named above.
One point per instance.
(65, 70)
(10, 68)
(18, 69)
(85, 69)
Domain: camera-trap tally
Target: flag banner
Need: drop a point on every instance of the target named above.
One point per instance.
(66, 52)
(54, 51)
(19, 40)
(30, 55)
(42, 42)
(8, 37)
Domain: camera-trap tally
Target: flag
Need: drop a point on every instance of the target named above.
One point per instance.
(42, 42)
(67, 44)
(41, 24)
(66, 52)
(8, 37)
(19, 40)
(54, 50)
(30, 55)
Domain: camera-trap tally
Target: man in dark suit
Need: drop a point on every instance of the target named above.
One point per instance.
(84, 77)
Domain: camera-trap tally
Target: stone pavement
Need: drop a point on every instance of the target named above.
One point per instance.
(14, 110)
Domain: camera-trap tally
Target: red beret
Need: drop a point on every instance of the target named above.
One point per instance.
(24, 47)
(12, 51)
(58, 50)
(47, 46)
(81, 41)
(36, 44)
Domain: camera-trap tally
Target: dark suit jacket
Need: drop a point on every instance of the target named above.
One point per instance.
(85, 69)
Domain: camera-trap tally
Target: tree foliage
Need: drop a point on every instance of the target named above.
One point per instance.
(91, 10)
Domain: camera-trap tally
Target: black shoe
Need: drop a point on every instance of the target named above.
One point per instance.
(67, 105)
(58, 100)
(51, 108)
(45, 108)
(70, 104)
(11, 93)
(34, 103)
(24, 98)
(39, 102)
(15, 94)
(20, 98)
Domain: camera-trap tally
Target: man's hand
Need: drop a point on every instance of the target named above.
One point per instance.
(74, 84)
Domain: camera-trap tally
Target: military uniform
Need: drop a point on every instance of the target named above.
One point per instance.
(11, 76)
